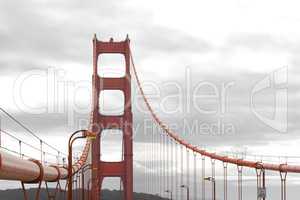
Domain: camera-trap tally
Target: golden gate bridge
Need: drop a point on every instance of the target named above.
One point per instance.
(174, 167)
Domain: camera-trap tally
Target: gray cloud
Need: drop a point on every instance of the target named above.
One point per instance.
(53, 33)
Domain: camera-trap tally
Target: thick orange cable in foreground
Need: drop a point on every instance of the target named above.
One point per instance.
(226, 159)
(18, 169)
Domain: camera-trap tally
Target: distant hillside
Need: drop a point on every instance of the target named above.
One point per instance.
(17, 194)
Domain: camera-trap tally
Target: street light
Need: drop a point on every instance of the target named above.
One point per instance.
(213, 180)
(83, 170)
(187, 191)
(72, 139)
(171, 193)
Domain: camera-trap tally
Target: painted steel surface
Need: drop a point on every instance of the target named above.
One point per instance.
(18, 169)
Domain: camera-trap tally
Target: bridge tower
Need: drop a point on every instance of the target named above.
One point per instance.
(99, 122)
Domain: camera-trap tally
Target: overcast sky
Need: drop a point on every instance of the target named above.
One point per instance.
(181, 48)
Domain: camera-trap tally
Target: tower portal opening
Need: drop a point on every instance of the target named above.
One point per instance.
(111, 146)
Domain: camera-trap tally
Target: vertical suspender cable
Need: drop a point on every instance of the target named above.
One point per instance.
(264, 182)
(168, 167)
(172, 166)
(41, 149)
(187, 167)
(164, 162)
(157, 162)
(44, 157)
(240, 182)
(225, 173)
(176, 171)
(213, 175)
(195, 176)
(20, 148)
(146, 170)
(149, 168)
(57, 158)
(152, 163)
(225, 166)
(203, 176)
(181, 171)
(160, 167)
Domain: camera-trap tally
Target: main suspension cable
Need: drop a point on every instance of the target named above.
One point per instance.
(28, 130)
(232, 160)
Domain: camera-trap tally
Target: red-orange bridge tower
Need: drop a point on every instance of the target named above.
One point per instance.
(100, 122)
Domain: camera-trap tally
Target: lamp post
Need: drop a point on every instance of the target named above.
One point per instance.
(213, 180)
(88, 188)
(171, 193)
(72, 139)
(187, 191)
(83, 170)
